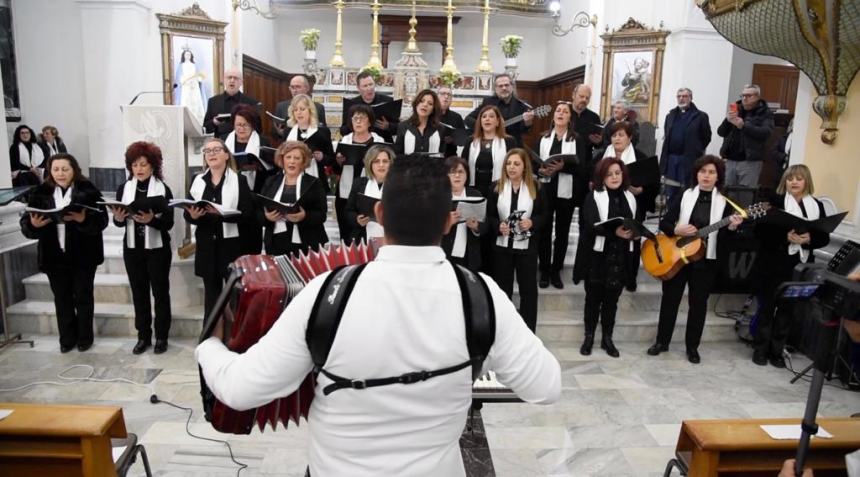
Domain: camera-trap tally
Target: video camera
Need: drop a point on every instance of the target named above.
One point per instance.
(833, 292)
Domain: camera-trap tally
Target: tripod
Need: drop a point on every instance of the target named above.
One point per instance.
(852, 373)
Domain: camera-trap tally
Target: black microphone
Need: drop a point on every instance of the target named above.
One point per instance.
(144, 92)
(154, 399)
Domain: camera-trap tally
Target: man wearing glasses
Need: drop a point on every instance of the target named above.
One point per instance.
(509, 105)
(687, 135)
(451, 119)
(299, 84)
(218, 118)
(746, 129)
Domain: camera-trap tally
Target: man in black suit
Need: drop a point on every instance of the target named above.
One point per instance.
(687, 134)
(299, 84)
(509, 105)
(583, 121)
(449, 118)
(224, 104)
(368, 95)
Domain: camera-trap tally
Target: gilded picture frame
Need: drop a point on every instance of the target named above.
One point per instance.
(632, 69)
(191, 29)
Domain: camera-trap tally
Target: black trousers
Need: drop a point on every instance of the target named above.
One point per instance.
(773, 323)
(601, 304)
(556, 249)
(149, 270)
(525, 267)
(343, 226)
(700, 275)
(74, 302)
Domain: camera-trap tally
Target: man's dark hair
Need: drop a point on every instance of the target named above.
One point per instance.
(361, 76)
(416, 201)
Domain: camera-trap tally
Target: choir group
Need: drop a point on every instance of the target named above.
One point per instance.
(252, 198)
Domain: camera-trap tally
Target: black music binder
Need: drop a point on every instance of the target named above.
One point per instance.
(366, 205)
(354, 153)
(639, 230)
(268, 203)
(645, 172)
(787, 221)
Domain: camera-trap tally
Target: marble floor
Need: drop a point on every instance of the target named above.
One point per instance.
(617, 417)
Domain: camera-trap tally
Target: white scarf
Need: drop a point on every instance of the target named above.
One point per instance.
(229, 196)
(628, 156)
(151, 235)
(28, 159)
(372, 189)
(253, 147)
(293, 135)
(409, 142)
(601, 198)
(718, 203)
(460, 239)
(565, 180)
(792, 207)
(61, 201)
(52, 148)
(524, 202)
(281, 225)
(347, 175)
(499, 150)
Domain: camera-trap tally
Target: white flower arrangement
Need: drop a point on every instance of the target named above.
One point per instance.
(511, 45)
(449, 78)
(310, 38)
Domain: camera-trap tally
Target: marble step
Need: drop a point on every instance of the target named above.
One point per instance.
(113, 288)
(110, 319)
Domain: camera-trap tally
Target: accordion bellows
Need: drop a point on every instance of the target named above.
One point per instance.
(256, 293)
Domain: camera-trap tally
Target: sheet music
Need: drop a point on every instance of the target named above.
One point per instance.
(468, 210)
(791, 432)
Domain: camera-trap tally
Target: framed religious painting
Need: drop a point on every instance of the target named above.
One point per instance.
(192, 58)
(632, 68)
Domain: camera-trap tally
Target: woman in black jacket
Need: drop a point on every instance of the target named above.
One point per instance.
(304, 126)
(26, 157)
(462, 245)
(606, 258)
(146, 247)
(70, 246)
(248, 148)
(377, 163)
(421, 132)
(217, 236)
(621, 134)
(51, 142)
(516, 209)
(781, 250)
(302, 230)
(696, 208)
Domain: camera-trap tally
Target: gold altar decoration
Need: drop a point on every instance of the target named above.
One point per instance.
(337, 58)
(484, 64)
(820, 37)
(374, 62)
(449, 66)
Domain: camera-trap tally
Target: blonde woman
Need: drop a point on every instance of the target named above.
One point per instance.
(303, 126)
(377, 163)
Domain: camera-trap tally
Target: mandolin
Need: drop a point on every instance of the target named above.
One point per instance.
(664, 256)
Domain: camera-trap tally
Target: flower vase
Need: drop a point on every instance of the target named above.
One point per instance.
(511, 61)
(310, 54)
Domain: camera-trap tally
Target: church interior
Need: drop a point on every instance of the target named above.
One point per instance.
(97, 76)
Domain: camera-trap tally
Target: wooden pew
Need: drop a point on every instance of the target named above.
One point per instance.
(736, 447)
(49, 440)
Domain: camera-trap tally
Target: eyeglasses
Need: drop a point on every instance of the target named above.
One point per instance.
(747, 95)
(213, 150)
(457, 173)
(241, 126)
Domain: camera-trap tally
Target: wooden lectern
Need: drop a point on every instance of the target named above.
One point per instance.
(47, 440)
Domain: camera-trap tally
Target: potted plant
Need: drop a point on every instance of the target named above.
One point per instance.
(310, 38)
(511, 45)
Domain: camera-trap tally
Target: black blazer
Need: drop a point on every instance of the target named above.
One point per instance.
(387, 134)
(645, 200)
(451, 118)
(514, 108)
(163, 223)
(351, 209)
(84, 246)
(221, 104)
(588, 216)
(422, 142)
(282, 110)
(214, 252)
(320, 141)
(472, 258)
(311, 230)
(61, 147)
(538, 219)
(773, 257)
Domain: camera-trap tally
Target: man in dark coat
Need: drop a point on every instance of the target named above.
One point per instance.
(449, 118)
(223, 103)
(368, 95)
(299, 84)
(509, 105)
(588, 138)
(746, 129)
(687, 135)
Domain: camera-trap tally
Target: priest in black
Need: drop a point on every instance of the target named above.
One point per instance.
(368, 96)
(509, 105)
(224, 103)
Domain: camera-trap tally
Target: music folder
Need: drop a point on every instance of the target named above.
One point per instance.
(269, 203)
(460, 137)
(645, 172)
(57, 213)
(154, 204)
(245, 160)
(639, 230)
(390, 110)
(366, 204)
(567, 159)
(186, 203)
(787, 221)
(354, 153)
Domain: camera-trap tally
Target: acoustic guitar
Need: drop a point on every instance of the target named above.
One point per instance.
(664, 256)
(540, 112)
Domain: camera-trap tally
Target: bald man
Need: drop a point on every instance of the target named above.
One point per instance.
(224, 104)
(299, 84)
(582, 117)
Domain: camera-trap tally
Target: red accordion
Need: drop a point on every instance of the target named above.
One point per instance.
(257, 291)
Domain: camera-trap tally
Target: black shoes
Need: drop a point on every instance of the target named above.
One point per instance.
(141, 346)
(84, 346)
(607, 345)
(777, 361)
(760, 358)
(587, 344)
(65, 349)
(555, 279)
(544, 280)
(160, 346)
(693, 356)
(657, 348)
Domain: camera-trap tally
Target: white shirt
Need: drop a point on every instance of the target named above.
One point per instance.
(401, 317)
